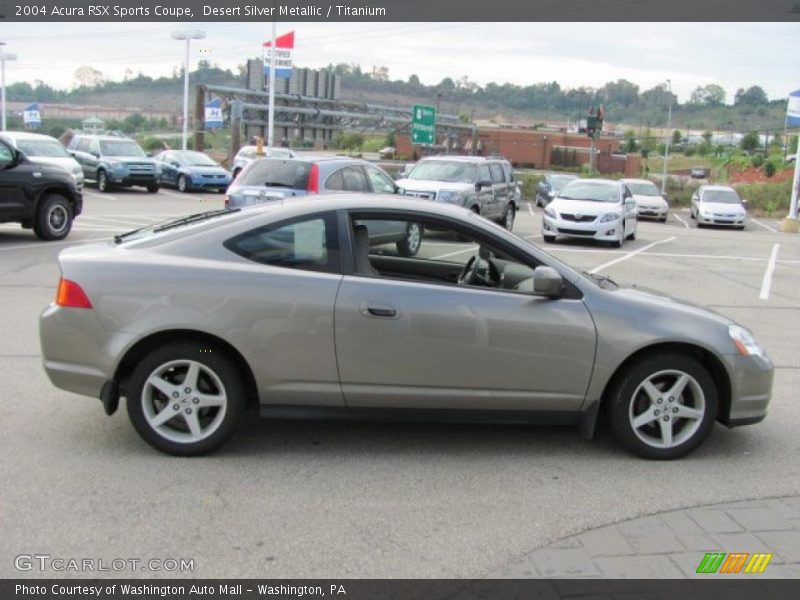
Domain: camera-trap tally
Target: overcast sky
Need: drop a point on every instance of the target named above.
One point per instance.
(733, 55)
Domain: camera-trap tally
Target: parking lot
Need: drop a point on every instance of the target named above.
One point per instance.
(320, 499)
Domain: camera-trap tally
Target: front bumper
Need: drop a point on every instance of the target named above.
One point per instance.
(125, 179)
(593, 230)
(737, 221)
(203, 184)
(751, 389)
(652, 213)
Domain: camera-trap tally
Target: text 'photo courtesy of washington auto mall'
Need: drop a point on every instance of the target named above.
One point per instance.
(299, 298)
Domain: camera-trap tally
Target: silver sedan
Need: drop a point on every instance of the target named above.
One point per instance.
(292, 310)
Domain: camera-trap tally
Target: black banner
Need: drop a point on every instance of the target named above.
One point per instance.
(397, 589)
(400, 10)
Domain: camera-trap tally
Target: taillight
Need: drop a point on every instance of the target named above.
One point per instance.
(71, 295)
(227, 201)
(313, 180)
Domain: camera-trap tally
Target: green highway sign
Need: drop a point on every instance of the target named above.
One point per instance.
(423, 125)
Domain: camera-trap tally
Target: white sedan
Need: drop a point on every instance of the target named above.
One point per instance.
(650, 204)
(718, 205)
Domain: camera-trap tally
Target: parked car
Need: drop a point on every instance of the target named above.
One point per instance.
(113, 161)
(650, 204)
(275, 179)
(41, 196)
(700, 172)
(485, 186)
(591, 209)
(248, 154)
(188, 170)
(387, 153)
(718, 205)
(44, 149)
(550, 185)
(290, 308)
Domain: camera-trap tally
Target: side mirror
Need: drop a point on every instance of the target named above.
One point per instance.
(547, 282)
(744, 201)
(666, 197)
(95, 154)
(175, 164)
(482, 184)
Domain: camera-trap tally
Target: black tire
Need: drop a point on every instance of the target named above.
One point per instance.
(103, 186)
(549, 239)
(410, 244)
(211, 359)
(626, 398)
(153, 188)
(618, 243)
(182, 184)
(53, 219)
(664, 220)
(632, 236)
(510, 210)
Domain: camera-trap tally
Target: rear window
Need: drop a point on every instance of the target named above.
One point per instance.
(271, 172)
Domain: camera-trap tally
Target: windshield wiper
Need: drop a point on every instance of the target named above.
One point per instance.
(194, 218)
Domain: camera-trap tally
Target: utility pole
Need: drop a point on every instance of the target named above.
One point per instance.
(271, 105)
(4, 56)
(666, 144)
(188, 36)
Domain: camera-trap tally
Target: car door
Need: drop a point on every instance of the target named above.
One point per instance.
(81, 154)
(281, 313)
(629, 209)
(92, 158)
(500, 189)
(424, 342)
(380, 183)
(13, 180)
(486, 193)
(169, 168)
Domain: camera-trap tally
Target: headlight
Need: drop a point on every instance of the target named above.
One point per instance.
(705, 213)
(609, 217)
(448, 196)
(550, 193)
(744, 341)
(550, 212)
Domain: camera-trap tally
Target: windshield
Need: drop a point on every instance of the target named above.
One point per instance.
(591, 190)
(152, 230)
(44, 148)
(721, 196)
(643, 189)
(120, 148)
(274, 172)
(559, 181)
(440, 170)
(195, 159)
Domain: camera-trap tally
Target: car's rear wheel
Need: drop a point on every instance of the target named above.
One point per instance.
(185, 398)
(663, 406)
(410, 244)
(53, 218)
(102, 182)
(152, 188)
(182, 184)
(550, 239)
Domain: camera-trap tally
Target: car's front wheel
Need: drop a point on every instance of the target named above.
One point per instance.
(663, 406)
(152, 188)
(102, 182)
(182, 184)
(508, 217)
(410, 244)
(53, 219)
(185, 398)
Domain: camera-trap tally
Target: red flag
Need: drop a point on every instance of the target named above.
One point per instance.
(283, 41)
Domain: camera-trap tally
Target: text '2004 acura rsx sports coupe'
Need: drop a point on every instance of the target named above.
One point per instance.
(298, 306)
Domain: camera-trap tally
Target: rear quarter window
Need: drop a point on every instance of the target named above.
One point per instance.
(276, 172)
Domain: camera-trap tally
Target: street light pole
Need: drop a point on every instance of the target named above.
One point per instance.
(271, 102)
(666, 145)
(188, 35)
(4, 56)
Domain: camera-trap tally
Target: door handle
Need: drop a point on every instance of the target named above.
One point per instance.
(378, 309)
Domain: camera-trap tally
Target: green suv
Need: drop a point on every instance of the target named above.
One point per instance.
(113, 161)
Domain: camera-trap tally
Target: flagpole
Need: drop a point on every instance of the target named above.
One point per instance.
(272, 65)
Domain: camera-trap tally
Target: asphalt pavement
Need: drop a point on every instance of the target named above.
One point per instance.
(320, 499)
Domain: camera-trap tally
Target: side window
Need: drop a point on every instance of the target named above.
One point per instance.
(508, 172)
(83, 145)
(5, 154)
(354, 179)
(484, 174)
(335, 182)
(381, 184)
(308, 243)
(497, 173)
(94, 146)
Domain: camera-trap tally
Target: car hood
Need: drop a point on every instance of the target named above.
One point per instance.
(584, 207)
(721, 207)
(131, 159)
(68, 163)
(650, 201)
(427, 185)
(202, 170)
(661, 303)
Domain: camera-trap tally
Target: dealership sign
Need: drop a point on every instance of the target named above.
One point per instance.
(32, 117)
(284, 51)
(213, 116)
(793, 112)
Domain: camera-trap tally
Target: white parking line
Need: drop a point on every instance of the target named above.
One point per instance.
(93, 195)
(530, 208)
(630, 254)
(39, 245)
(764, 225)
(677, 216)
(766, 283)
(449, 254)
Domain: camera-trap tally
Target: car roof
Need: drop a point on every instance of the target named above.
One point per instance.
(460, 158)
(104, 137)
(637, 181)
(26, 135)
(600, 181)
(719, 188)
(310, 158)
(557, 174)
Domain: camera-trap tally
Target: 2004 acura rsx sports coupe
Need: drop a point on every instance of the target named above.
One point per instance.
(303, 306)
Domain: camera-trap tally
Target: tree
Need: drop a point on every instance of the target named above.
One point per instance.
(621, 93)
(630, 144)
(753, 96)
(88, 76)
(676, 137)
(708, 95)
(708, 136)
(380, 73)
(414, 81)
(750, 142)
